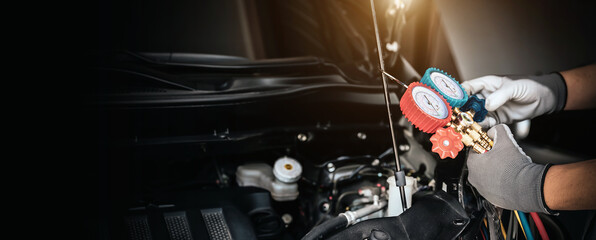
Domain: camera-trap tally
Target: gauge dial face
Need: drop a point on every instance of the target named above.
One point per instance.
(446, 85)
(431, 103)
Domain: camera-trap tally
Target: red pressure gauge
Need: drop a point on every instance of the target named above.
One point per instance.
(425, 107)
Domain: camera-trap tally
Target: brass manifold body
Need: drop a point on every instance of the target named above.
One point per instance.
(471, 132)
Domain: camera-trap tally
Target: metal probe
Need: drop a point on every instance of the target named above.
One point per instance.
(394, 78)
(400, 180)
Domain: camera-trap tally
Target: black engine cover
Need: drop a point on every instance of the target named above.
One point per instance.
(231, 213)
(433, 215)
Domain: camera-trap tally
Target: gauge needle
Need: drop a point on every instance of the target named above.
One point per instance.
(447, 85)
(433, 106)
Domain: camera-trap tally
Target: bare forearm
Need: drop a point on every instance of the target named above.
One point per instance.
(571, 186)
(580, 87)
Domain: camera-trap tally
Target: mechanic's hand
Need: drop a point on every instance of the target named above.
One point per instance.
(509, 100)
(505, 176)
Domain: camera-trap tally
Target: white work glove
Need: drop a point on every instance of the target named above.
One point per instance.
(506, 176)
(510, 99)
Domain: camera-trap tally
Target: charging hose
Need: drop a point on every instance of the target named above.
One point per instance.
(540, 226)
(524, 221)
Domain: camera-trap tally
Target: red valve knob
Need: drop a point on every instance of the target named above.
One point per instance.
(447, 142)
(425, 107)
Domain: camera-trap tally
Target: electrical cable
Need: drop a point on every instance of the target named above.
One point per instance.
(524, 220)
(502, 229)
(487, 228)
(509, 226)
(540, 226)
(515, 228)
(520, 224)
(484, 231)
(525, 225)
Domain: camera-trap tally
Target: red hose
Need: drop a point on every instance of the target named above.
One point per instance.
(539, 225)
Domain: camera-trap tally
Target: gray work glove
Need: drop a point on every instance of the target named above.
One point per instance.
(512, 99)
(506, 176)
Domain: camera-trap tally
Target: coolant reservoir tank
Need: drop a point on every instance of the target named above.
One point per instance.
(280, 181)
(287, 170)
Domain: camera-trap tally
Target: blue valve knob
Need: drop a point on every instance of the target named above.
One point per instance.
(477, 105)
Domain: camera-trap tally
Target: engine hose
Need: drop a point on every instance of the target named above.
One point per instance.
(553, 227)
(342, 221)
(327, 227)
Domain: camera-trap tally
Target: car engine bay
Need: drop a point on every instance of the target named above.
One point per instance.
(344, 156)
(291, 142)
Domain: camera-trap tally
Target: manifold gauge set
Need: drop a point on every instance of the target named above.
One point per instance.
(439, 105)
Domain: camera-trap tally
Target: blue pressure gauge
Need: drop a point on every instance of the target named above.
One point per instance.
(446, 85)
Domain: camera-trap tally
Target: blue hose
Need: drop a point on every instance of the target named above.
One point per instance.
(524, 221)
(484, 230)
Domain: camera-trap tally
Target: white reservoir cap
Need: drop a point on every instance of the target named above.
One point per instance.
(287, 170)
